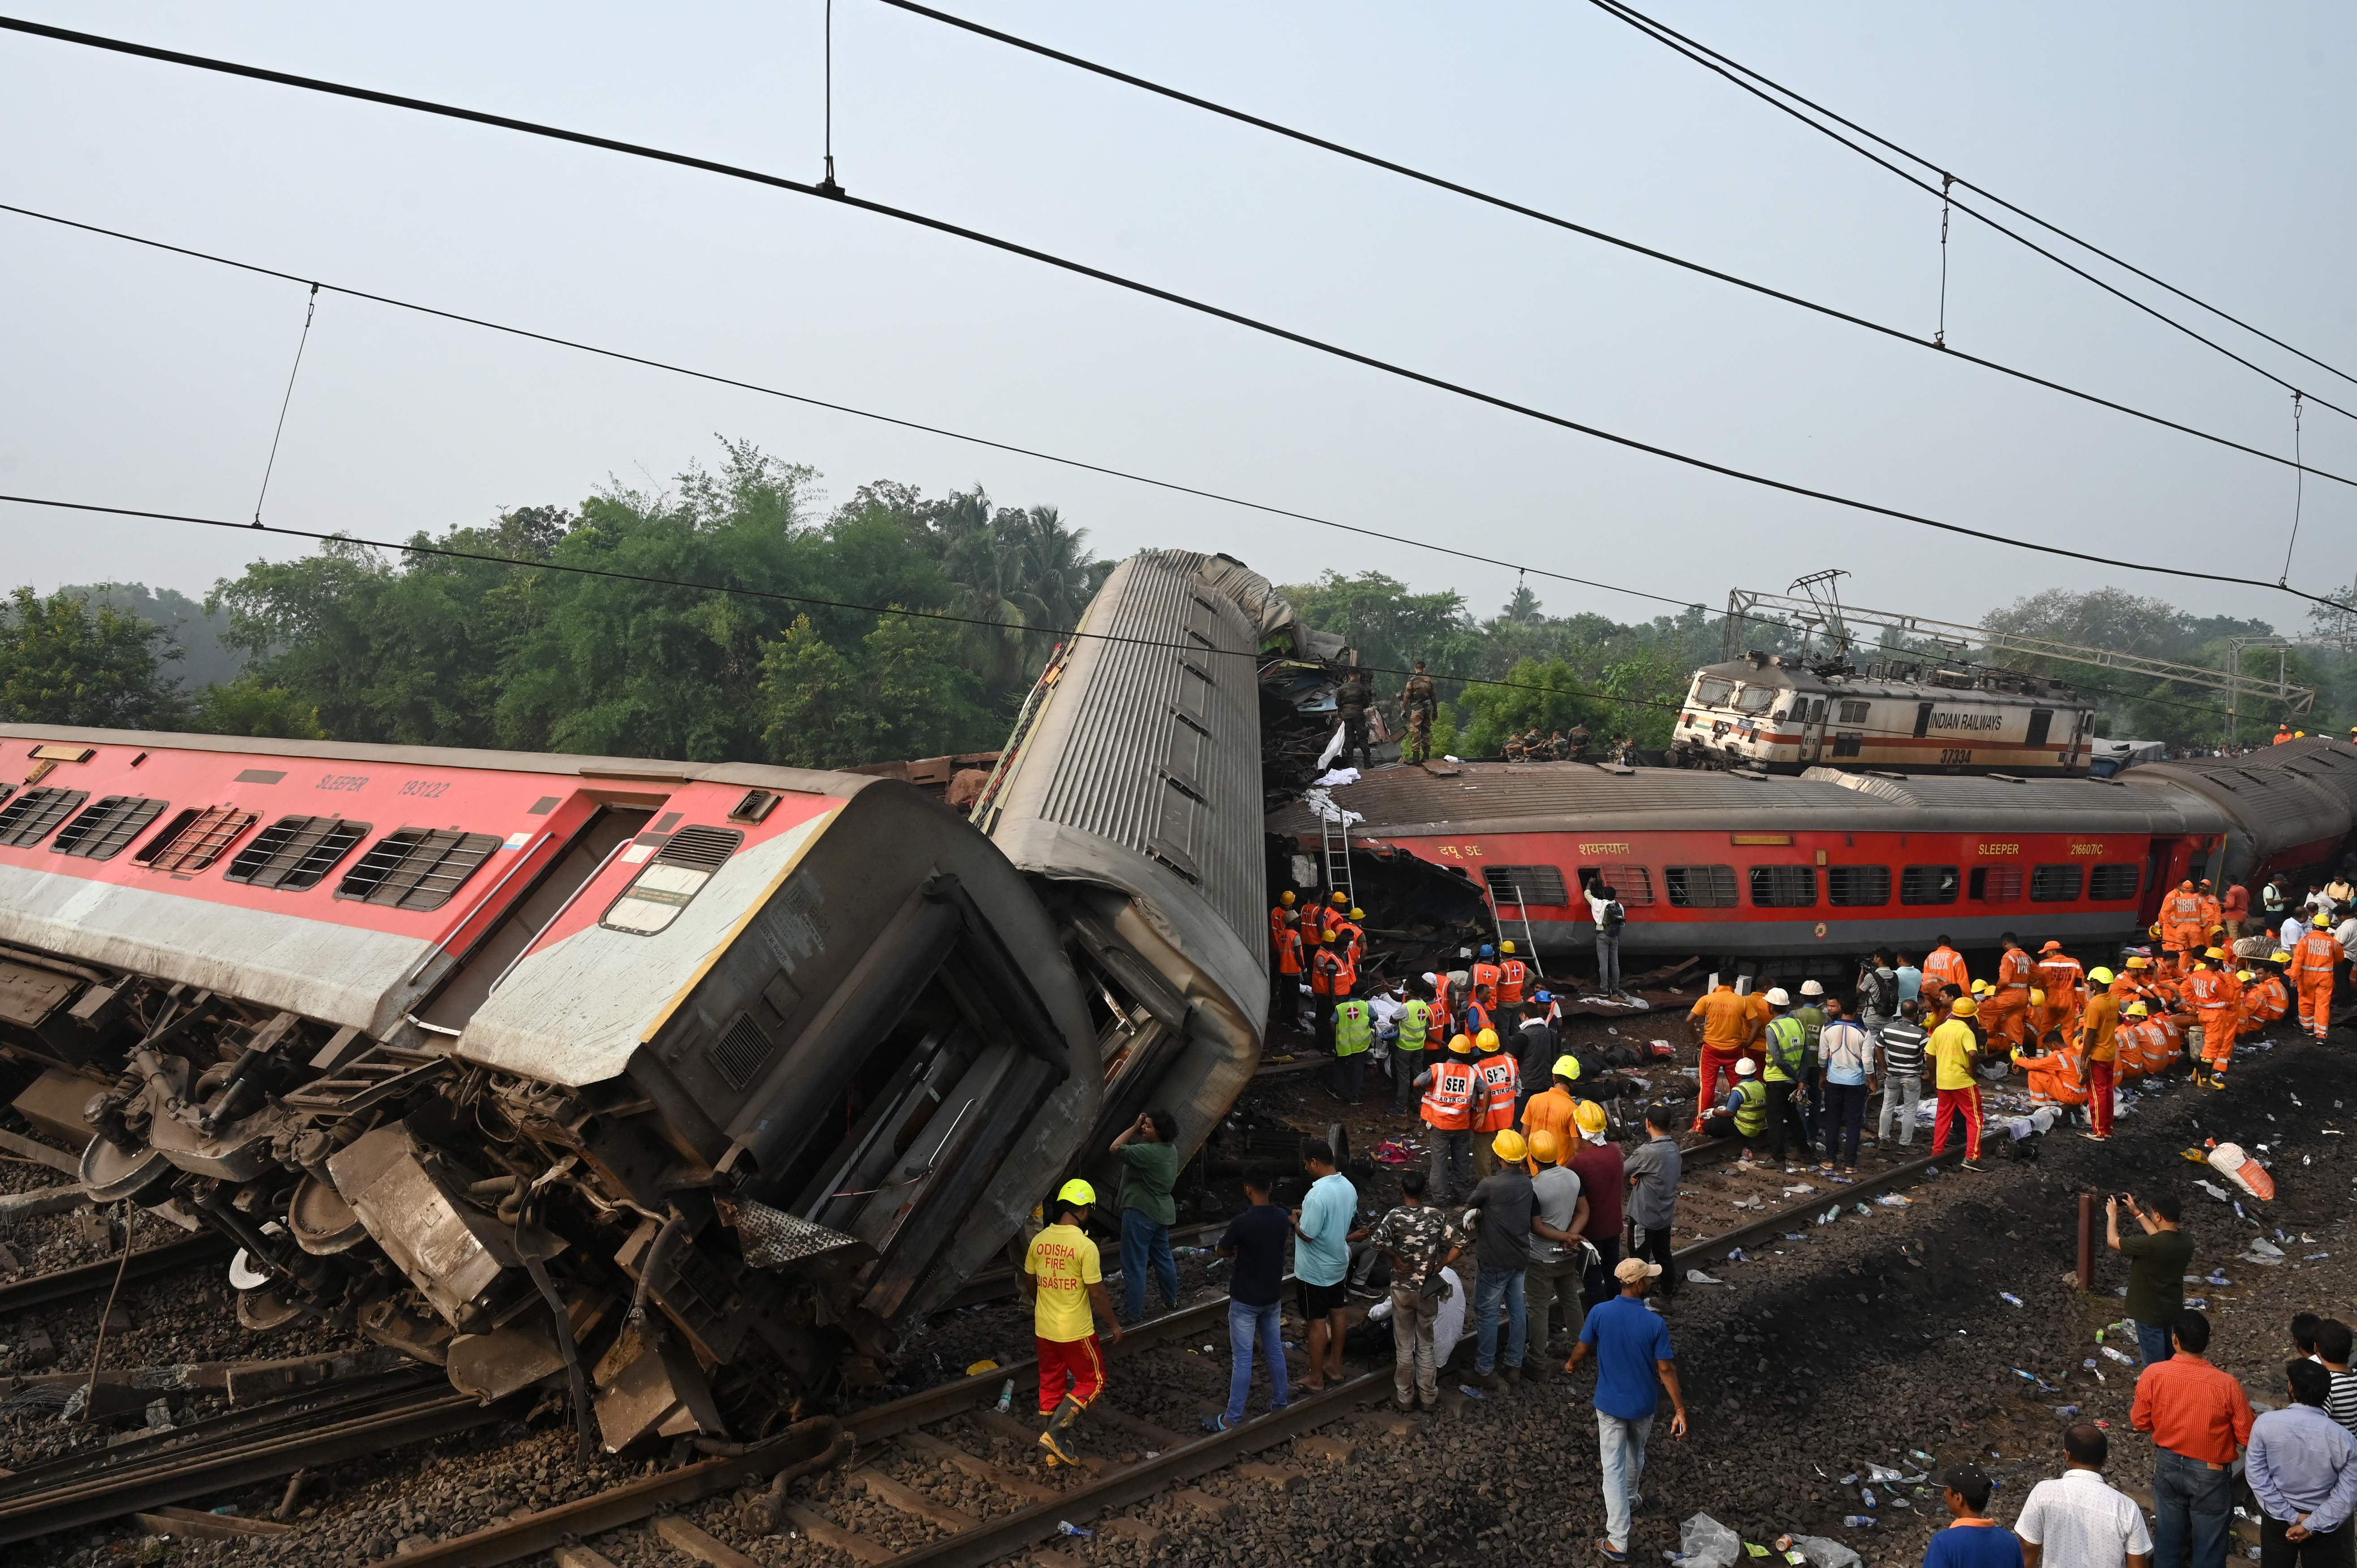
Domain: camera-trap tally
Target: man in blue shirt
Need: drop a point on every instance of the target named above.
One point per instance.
(1909, 976)
(2302, 1467)
(1633, 1364)
(1973, 1540)
(1321, 1260)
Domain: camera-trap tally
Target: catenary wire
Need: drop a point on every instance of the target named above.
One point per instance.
(813, 601)
(1627, 12)
(1171, 485)
(1662, 36)
(1937, 342)
(1116, 280)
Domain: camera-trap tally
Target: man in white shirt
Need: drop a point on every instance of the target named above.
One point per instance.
(2076, 1521)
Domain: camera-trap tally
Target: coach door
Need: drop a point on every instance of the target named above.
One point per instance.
(1811, 711)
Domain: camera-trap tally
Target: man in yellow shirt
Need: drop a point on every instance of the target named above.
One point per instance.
(1061, 1276)
(1954, 1044)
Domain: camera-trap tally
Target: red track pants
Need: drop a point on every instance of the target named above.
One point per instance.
(1073, 1367)
(1954, 1103)
(1714, 1062)
(2099, 1096)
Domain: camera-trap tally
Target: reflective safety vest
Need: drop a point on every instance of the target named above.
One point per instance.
(1415, 1023)
(1485, 978)
(1449, 1102)
(1278, 916)
(1440, 1010)
(1501, 1080)
(1288, 952)
(2014, 969)
(1788, 1044)
(1328, 972)
(2264, 1000)
(2312, 961)
(1512, 974)
(1354, 1027)
(2210, 990)
(1352, 940)
(1478, 1017)
(2181, 909)
(1750, 1107)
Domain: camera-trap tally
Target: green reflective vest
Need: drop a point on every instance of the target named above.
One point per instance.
(1414, 1022)
(1750, 1107)
(1354, 1027)
(1787, 1046)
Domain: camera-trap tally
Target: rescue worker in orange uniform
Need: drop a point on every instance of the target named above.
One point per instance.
(2182, 925)
(2213, 993)
(2057, 1077)
(1497, 1084)
(2137, 1043)
(1944, 965)
(1280, 913)
(2004, 1012)
(2213, 914)
(2311, 974)
(1351, 938)
(1475, 1014)
(2065, 985)
(1449, 1088)
(2283, 733)
(2266, 996)
(1332, 914)
(1513, 978)
(2098, 1034)
(1288, 952)
(1331, 981)
(1486, 975)
(1724, 1020)
(1444, 1011)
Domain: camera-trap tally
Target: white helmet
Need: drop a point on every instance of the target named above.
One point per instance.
(1811, 988)
(1777, 997)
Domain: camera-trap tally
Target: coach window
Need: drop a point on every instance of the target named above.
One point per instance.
(1712, 692)
(1634, 884)
(1700, 886)
(1847, 743)
(100, 833)
(671, 880)
(1929, 885)
(1784, 887)
(2113, 881)
(295, 852)
(1858, 886)
(27, 820)
(2055, 884)
(1996, 883)
(1531, 886)
(1755, 699)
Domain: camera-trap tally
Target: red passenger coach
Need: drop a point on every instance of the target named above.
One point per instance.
(1739, 865)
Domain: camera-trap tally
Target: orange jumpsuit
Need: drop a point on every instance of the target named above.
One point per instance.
(1946, 965)
(1443, 1013)
(2214, 993)
(2265, 1000)
(2054, 1077)
(2311, 972)
(2214, 919)
(2004, 1011)
(2181, 924)
(2065, 985)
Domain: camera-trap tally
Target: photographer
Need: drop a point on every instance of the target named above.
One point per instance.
(2157, 1264)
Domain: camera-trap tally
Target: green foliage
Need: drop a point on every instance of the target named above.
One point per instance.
(1547, 693)
(205, 660)
(64, 660)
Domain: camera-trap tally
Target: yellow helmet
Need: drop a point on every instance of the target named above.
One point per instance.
(2100, 975)
(1545, 1147)
(1487, 1040)
(1340, 898)
(2243, 974)
(2154, 930)
(1076, 1191)
(2278, 958)
(1566, 1067)
(2323, 920)
(1505, 946)
(1966, 1007)
(1286, 898)
(1589, 1115)
(2215, 952)
(1508, 1146)
(2138, 1010)
(2037, 997)
(1325, 936)
(1356, 913)
(2139, 962)
(1460, 1045)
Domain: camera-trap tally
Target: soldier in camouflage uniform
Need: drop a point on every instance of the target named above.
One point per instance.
(1353, 699)
(1418, 705)
(1421, 1241)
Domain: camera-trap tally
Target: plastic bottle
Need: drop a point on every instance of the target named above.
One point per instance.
(1006, 1396)
(1865, 1495)
(1066, 1527)
(1857, 1521)
(2009, 1298)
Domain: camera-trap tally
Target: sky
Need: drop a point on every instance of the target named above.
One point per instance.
(2213, 145)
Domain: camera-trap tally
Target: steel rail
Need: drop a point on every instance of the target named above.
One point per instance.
(89, 1279)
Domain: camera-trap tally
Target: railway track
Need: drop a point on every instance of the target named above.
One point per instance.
(98, 1278)
(957, 1427)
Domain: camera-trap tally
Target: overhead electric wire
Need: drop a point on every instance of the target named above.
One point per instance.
(1116, 280)
(1677, 43)
(808, 600)
(1631, 14)
(1175, 486)
(1557, 220)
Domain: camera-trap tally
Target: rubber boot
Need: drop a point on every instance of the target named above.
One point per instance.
(1057, 1439)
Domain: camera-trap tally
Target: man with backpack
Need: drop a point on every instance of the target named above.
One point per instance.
(1604, 905)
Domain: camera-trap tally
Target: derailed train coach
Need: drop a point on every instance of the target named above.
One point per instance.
(693, 1085)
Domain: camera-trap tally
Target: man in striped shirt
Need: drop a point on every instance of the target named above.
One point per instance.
(1902, 1072)
(2332, 1348)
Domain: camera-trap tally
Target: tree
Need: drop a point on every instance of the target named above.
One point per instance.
(1542, 694)
(249, 705)
(64, 660)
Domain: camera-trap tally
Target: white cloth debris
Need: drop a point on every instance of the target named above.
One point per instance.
(1322, 804)
(1338, 777)
(1333, 748)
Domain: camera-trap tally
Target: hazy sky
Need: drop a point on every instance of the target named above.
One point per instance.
(2217, 145)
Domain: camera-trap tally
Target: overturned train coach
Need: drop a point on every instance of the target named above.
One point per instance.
(690, 1084)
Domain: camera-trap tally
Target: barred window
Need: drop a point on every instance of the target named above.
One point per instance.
(1634, 884)
(1929, 885)
(295, 852)
(1531, 884)
(1784, 887)
(2055, 884)
(2114, 881)
(28, 819)
(1858, 886)
(416, 868)
(671, 880)
(1996, 883)
(1700, 886)
(195, 838)
(102, 831)
(1853, 711)
(1848, 743)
